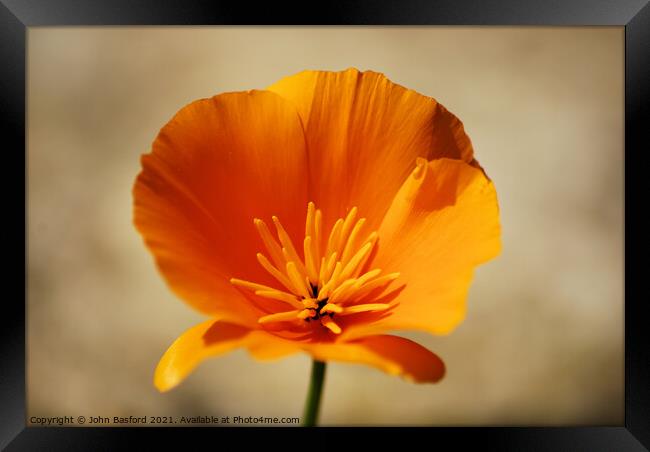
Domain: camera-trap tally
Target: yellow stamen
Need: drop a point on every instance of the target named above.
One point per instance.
(330, 268)
(331, 307)
(340, 290)
(305, 314)
(323, 284)
(310, 261)
(333, 240)
(318, 226)
(367, 277)
(271, 245)
(281, 296)
(322, 270)
(351, 267)
(364, 308)
(296, 279)
(335, 276)
(345, 229)
(287, 245)
(351, 242)
(331, 325)
(279, 317)
(264, 262)
(309, 303)
(372, 239)
(324, 291)
(374, 284)
(249, 285)
(309, 222)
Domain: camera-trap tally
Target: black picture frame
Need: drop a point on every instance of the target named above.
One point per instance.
(634, 15)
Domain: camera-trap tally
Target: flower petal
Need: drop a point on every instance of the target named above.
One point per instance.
(442, 224)
(391, 354)
(363, 134)
(214, 338)
(210, 338)
(217, 165)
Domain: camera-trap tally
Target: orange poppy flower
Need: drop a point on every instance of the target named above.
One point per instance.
(316, 216)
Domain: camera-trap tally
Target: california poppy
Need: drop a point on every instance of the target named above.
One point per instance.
(316, 215)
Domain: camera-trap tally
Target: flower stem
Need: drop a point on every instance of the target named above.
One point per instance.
(312, 404)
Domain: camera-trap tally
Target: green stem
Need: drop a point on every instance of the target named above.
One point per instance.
(310, 416)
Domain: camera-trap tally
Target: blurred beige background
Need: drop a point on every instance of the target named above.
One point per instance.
(543, 340)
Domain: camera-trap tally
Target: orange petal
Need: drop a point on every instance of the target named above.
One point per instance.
(363, 134)
(217, 165)
(442, 224)
(210, 339)
(392, 354)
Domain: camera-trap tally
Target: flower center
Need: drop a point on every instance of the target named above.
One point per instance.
(329, 280)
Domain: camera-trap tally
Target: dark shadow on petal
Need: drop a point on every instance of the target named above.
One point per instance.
(222, 331)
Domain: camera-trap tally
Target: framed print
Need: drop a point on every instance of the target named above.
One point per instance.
(372, 217)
